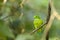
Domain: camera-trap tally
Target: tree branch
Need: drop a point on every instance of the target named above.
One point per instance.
(54, 15)
(38, 28)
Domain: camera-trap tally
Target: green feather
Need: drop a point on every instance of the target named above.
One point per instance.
(37, 22)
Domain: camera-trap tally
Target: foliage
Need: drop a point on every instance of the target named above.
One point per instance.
(13, 22)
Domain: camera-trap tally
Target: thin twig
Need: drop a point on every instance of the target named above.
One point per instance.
(38, 28)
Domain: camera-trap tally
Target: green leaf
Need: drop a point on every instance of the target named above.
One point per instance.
(24, 37)
(5, 29)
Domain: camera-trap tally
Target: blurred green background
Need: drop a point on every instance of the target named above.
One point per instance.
(17, 23)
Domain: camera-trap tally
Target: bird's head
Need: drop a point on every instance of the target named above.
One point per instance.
(36, 17)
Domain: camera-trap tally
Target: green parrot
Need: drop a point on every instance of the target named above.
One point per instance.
(37, 22)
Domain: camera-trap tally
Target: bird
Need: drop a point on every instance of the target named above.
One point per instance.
(37, 22)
